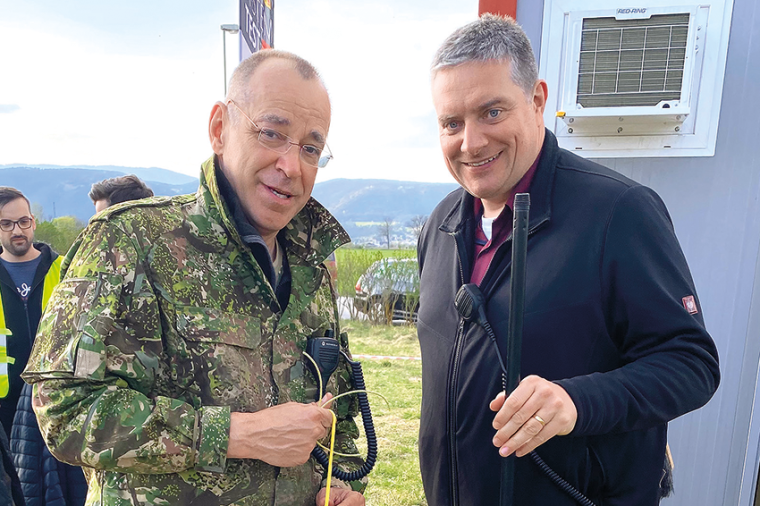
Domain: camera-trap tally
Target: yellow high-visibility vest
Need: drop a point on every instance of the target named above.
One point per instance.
(51, 279)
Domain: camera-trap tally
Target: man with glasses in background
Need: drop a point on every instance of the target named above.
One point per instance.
(170, 361)
(28, 273)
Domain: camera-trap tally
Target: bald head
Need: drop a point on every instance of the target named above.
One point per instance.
(241, 77)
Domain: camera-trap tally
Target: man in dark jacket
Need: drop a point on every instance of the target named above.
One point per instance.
(28, 273)
(10, 487)
(45, 481)
(614, 341)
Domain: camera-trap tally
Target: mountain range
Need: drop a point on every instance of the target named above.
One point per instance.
(144, 173)
(63, 191)
(360, 205)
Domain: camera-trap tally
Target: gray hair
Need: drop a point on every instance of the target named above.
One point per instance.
(491, 38)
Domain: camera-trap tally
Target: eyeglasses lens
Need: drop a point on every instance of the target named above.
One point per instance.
(8, 225)
(280, 143)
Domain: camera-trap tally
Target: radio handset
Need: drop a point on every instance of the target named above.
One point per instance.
(326, 353)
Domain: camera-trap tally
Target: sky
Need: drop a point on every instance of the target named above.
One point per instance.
(94, 82)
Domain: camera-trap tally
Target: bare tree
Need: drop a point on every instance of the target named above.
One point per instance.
(384, 229)
(416, 224)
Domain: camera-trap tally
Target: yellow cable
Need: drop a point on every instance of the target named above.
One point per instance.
(347, 393)
(388, 404)
(330, 465)
(321, 387)
(316, 368)
(331, 450)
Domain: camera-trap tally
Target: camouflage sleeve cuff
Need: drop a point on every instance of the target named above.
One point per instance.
(212, 438)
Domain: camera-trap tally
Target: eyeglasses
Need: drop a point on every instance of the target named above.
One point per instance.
(281, 143)
(23, 223)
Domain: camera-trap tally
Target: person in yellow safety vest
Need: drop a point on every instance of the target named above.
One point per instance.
(28, 273)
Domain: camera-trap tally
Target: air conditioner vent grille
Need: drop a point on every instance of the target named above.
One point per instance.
(632, 62)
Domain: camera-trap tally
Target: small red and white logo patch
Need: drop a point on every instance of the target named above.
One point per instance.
(690, 304)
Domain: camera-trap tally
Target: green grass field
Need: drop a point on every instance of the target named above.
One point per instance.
(395, 480)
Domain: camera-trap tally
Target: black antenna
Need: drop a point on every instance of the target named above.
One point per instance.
(515, 330)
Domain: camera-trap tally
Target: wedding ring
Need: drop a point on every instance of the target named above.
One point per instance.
(540, 420)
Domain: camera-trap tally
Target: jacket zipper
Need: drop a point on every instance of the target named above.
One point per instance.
(14, 291)
(28, 323)
(454, 377)
(452, 414)
(33, 335)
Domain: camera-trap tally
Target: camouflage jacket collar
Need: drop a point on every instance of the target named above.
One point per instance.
(311, 235)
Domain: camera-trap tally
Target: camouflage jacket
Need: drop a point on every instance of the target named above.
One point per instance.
(163, 325)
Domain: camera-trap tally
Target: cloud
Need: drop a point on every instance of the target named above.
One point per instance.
(139, 94)
(375, 60)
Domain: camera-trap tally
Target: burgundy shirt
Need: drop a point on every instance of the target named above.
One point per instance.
(502, 226)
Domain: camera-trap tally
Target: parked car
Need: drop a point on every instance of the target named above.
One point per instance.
(389, 289)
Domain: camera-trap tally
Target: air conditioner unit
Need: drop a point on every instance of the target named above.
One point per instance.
(640, 80)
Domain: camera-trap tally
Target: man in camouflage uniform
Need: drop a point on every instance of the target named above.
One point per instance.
(169, 363)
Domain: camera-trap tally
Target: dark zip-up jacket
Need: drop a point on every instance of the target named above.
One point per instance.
(10, 486)
(21, 317)
(44, 480)
(605, 317)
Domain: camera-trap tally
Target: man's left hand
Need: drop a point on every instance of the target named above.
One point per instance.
(340, 497)
(535, 412)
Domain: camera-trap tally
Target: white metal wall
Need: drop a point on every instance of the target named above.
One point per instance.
(715, 205)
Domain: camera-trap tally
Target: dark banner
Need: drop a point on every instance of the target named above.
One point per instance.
(257, 23)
